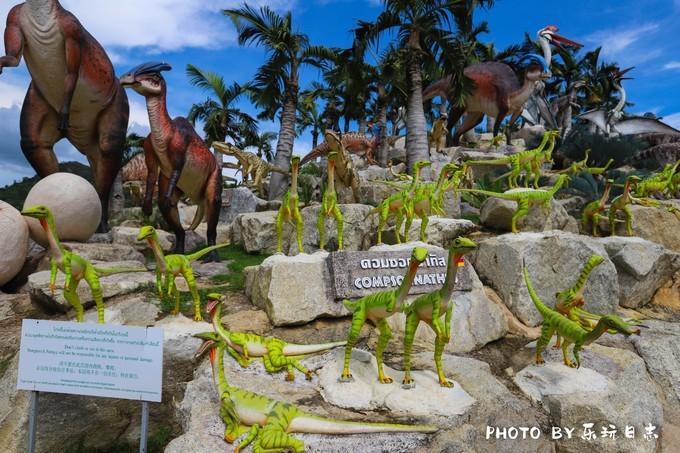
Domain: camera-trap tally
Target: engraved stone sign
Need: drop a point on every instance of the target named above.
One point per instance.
(357, 274)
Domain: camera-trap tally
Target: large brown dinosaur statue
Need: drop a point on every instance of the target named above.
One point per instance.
(353, 142)
(186, 165)
(74, 93)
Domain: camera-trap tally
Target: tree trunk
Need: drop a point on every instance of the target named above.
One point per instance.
(362, 126)
(416, 138)
(382, 152)
(117, 200)
(346, 128)
(315, 137)
(490, 123)
(284, 147)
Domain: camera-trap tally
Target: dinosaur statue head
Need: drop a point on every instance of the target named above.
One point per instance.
(37, 212)
(146, 79)
(421, 164)
(537, 67)
(331, 137)
(633, 180)
(462, 246)
(295, 162)
(419, 255)
(146, 232)
(549, 33)
(618, 324)
(210, 340)
(449, 168)
(225, 148)
(214, 299)
(618, 74)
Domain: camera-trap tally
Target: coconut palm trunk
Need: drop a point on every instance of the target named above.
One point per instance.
(284, 146)
(416, 138)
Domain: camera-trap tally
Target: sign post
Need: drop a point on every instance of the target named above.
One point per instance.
(93, 360)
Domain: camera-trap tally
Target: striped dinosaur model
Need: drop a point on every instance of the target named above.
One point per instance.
(268, 423)
(276, 354)
(570, 331)
(592, 213)
(430, 307)
(290, 209)
(377, 307)
(329, 206)
(74, 267)
(171, 266)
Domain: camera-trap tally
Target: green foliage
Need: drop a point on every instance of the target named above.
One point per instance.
(238, 260)
(313, 169)
(491, 182)
(586, 185)
(16, 193)
(621, 148)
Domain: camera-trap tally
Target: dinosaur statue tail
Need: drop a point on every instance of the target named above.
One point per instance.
(198, 218)
(320, 425)
(542, 309)
(304, 349)
(372, 211)
(313, 154)
(349, 305)
(205, 251)
(438, 88)
(116, 270)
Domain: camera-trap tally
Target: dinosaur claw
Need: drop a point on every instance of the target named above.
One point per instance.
(308, 375)
(385, 380)
(346, 377)
(408, 384)
(446, 383)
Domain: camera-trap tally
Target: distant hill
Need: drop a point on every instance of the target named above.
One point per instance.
(15, 194)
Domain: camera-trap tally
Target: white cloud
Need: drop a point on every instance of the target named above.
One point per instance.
(672, 64)
(672, 120)
(615, 41)
(139, 117)
(11, 95)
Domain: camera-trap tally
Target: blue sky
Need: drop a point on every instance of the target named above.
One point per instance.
(642, 33)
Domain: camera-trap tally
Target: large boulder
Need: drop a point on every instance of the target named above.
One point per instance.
(497, 213)
(94, 251)
(554, 260)
(657, 225)
(74, 204)
(128, 236)
(239, 201)
(13, 242)
(611, 387)
(442, 230)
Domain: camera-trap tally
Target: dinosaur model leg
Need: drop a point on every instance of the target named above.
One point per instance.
(628, 213)
(612, 221)
(565, 353)
(439, 346)
(340, 225)
(273, 439)
(383, 339)
(213, 204)
(275, 361)
(252, 435)
(424, 220)
(39, 133)
(513, 177)
(399, 221)
(577, 353)
(279, 232)
(238, 357)
(321, 226)
(71, 295)
(558, 340)
(92, 280)
(358, 320)
(412, 322)
(522, 210)
(595, 224)
(546, 334)
(167, 203)
(299, 226)
(171, 288)
(384, 213)
(188, 274)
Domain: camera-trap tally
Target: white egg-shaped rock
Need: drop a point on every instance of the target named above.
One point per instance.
(13, 242)
(74, 203)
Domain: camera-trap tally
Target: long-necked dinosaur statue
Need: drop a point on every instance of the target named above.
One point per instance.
(276, 354)
(329, 206)
(250, 164)
(497, 90)
(74, 267)
(622, 203)
(395, 203)
(353, 142)
(171, 266)
(570, 331)
(377, 307)
(269, 423)
(592, 213)
(74, 93)
(524, 197)
(345, 172)
(430, 307)
(177, 158)
(290, 209)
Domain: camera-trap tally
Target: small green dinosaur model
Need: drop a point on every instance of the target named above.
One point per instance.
(395, 203)
(377, 307)
(581, 166)
(329, 205)
(74, 267)
(430, 307)
(171, 266)
(592, 213)
(524, 196)
(657, 184)
(276, 354)
(570, 331)
(290, 209)
(268, 423)
(622, 203)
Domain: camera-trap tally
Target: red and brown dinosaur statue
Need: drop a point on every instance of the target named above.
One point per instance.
(353, 142)
(74, 93)
(173, 148)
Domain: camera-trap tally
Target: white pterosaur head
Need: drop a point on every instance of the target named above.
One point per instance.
(549, 33)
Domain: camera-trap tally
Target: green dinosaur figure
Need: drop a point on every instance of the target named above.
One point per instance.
(171, 266)
(430, 307)
(657, 184)
(428, 199)
(377, 307)
(581, 166)
(592, 213)
(524, 196)
(290, 209)
(268, 423)
(622, 203)
(74, 267)
(276, 354)
(570, 331)
(531, 161)
(329, 205)
(395, 203)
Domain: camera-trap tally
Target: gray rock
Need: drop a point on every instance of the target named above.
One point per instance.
(554, 260)
(128, 236)
(657, 225)
(497, 213)
(112, 285)
(573, 205)
(442, 230)
(223, 232)
(238, 201)
(106, 252)
(373, 193)
(531, 135)
(642, 267)
(479, 171)
(256, 232)
(293, 290)
(611, 387)
(132, 311)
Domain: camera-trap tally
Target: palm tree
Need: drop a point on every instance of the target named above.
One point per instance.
(134, 144)
(262, 142)
(310, 116)
(221, 119)
(422, 29)
(276, 83)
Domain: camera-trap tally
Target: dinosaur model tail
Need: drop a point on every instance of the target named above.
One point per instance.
(350, 305)
(313, 154)
(198, 218)
(304, 349)
(501, 161)
(117, 270)
(542, 309)
(320, 425)
(372, 211)
(205, 251)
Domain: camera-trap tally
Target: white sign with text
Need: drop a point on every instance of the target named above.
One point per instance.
(111, 361)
